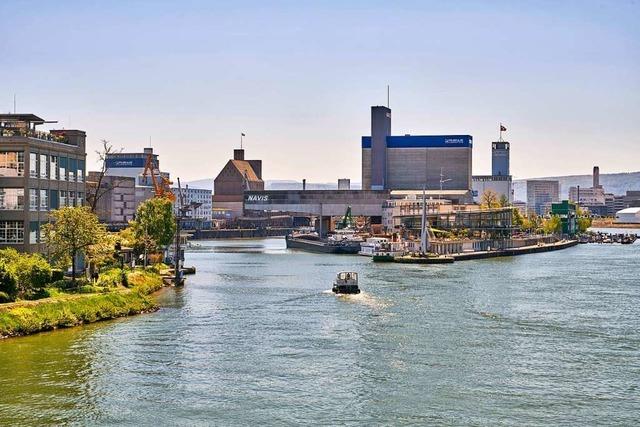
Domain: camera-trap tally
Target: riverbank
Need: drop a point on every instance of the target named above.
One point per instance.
(610, 223)
(546, 247)
(67, 310)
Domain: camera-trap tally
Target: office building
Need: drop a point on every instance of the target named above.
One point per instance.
(39, 171)
(591, 197)
(500, 158)
(199, 217)
(541, 194)
(236, 177)
(411, 162)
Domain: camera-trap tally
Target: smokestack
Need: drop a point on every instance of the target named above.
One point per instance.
(596, 177)
(304, 184)
(238, 154)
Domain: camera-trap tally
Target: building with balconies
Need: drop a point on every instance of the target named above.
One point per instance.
(39, 171)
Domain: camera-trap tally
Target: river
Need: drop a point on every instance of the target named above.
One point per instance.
(256, 338)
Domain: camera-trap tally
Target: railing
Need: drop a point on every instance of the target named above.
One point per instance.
(45, 136)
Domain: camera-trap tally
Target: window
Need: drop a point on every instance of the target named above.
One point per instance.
(43, 166)
(72, 168)
(80, 199)
(34, 232)
(72, 198)
(11, 199)
(53, 167)
(71, 175)
(12, 163)
(63, 198)
(63, 168)
(33, 165)
(54, 199)
(33, 199)
(44, 200)
(11, 232)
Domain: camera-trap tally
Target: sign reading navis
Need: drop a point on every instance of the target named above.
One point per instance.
(257, 198)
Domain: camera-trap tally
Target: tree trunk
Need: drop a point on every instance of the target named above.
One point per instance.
(73, 268)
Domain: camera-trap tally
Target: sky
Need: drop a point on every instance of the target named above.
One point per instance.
(298, 78)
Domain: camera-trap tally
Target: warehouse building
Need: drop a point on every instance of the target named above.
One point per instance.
(411, 162)
(236, 177)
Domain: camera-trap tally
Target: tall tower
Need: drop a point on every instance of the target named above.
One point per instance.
(500, 158)
(596, 177)
(380, 130)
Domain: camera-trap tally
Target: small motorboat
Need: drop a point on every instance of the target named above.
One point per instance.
(346, 283)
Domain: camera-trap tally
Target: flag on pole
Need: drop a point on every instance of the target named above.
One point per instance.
(243, 134)
(502, 128)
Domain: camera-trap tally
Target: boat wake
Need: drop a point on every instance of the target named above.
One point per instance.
(363, 298)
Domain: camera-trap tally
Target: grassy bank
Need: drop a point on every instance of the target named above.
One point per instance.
(66, 310)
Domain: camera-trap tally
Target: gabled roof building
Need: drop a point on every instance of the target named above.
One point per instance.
(236, 177)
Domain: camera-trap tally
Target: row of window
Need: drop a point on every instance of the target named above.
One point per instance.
(39, 200)
(42, 166)
(13, 232)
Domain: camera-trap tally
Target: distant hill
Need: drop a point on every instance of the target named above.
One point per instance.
(616, 183)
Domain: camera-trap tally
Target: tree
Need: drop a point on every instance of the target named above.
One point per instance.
(154, 219)
(96, 191)
(518, 219)
(489, 200)
(31, 272)
(503, 202)
(553, 224)
(71, 232)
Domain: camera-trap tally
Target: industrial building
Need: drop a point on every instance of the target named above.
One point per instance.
(411, 162)
(628, 216)
(198, 218)
(236, 177)
(116, 198)
(541, 194)
(133, 165)
(39, 171)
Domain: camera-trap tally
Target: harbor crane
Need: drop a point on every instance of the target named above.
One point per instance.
(161, 184)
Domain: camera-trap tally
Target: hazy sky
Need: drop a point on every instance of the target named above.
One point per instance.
(299, 77)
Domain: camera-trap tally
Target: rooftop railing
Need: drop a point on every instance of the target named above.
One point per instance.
(45, 136)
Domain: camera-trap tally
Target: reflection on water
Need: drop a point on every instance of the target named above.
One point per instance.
(257, 337)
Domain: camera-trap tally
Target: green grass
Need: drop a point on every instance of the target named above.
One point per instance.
(65, 310)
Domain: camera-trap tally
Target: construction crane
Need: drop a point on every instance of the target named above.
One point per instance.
(161, 185)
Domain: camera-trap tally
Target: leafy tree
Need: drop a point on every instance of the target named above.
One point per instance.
(155, 220)
(489, 200)
(503, 201)
(583, 224)
(553, 224)
(518, 219)
(73, 231)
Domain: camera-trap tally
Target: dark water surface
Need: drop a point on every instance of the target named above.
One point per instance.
(255, 338)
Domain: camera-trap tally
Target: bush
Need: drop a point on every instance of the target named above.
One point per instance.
(111, 278)
(37, 294)
(57, 274)
(8, 285)
(62, 284)
(4, 297)
(30, 271)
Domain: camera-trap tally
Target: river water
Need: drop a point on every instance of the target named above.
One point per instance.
(256, 338)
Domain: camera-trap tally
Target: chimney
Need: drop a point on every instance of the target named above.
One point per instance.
(238, 154)
(304, 184)
(596, 177)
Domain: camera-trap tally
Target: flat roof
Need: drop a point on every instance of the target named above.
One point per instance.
(22, 117)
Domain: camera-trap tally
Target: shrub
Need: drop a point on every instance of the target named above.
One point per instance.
(8, 285)
(30, 271)
(57, 274)
(61, 284)
(111, 277)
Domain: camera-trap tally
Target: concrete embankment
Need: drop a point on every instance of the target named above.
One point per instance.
(239, 233)
(547, 247)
